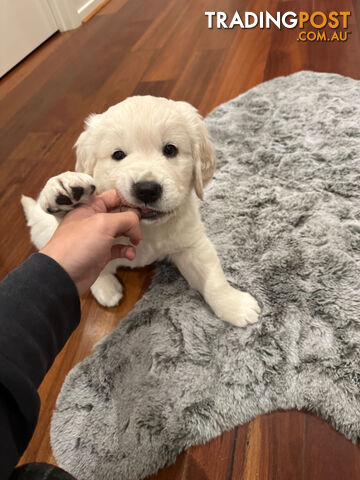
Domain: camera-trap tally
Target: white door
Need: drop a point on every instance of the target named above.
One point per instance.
(24, 25)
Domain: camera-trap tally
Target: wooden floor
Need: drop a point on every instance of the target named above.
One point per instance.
(160, 47)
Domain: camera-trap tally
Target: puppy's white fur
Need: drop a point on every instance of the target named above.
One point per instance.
(141, 126)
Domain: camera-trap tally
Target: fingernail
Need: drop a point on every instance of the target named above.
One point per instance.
(128, 252)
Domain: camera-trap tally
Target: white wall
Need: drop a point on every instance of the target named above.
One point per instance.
(69, 13)
(25, 24)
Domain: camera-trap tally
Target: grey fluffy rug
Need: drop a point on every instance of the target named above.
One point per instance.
(284, 213)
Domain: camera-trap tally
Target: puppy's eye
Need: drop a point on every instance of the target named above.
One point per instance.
(118, 155)
(170, 150)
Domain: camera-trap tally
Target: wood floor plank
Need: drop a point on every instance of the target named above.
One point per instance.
(327, 453)
(162, 28)
(172, 58)
(275, 447)
(193, 81)
(112, 7)
(17, 75)
(160, 88)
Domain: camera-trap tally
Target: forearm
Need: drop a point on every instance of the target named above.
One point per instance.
(39, 309)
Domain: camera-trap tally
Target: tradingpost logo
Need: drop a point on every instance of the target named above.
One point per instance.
(315, 23)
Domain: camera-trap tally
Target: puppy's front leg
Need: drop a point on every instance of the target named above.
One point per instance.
(65, 192)
(201, 267)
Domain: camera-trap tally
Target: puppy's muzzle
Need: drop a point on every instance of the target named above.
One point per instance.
(147, 192)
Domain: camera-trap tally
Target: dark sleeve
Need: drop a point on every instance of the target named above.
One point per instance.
(39, 309)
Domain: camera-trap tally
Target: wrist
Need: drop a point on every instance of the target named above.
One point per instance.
(58, 258)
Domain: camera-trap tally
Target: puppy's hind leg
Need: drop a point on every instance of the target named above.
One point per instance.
(107, 289)
(42, 225)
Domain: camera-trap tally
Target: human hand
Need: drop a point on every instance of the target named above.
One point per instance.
(83, 242)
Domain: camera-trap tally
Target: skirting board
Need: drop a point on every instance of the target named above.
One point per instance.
(69, 16)
(95, 10)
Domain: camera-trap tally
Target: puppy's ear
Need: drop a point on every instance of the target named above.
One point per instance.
(205, 159)
(203, 148)
(85, 156)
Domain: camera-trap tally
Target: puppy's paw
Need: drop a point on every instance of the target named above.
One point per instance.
(65, 192)
(107, 290)
(238, 308)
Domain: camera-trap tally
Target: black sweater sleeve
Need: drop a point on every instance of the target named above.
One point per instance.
(39, 309)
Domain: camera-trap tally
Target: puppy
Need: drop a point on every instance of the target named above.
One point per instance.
(157, 153)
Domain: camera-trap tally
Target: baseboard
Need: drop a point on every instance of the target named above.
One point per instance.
(90, 8)
(67, 16)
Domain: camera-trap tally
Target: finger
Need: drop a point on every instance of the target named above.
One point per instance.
(107, 201)
(123, 208)
(123, 224)
(123, 251)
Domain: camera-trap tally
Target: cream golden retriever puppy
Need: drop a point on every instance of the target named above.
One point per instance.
(157, 153)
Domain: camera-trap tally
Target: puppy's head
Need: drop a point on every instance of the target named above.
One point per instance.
(153, 150)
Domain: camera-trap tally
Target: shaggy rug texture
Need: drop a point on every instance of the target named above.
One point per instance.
(284, 214)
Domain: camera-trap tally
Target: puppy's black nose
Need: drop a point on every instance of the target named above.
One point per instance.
(147, 192)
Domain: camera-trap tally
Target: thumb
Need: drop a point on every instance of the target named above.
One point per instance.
(123, 251)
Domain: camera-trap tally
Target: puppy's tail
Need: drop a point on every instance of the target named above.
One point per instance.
(42, 225)
(28, 205)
